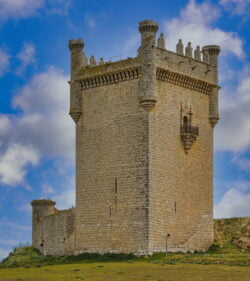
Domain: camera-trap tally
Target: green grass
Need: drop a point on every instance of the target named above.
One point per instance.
(30, 257)
(227, 259)
(226, 255)
(121, 271)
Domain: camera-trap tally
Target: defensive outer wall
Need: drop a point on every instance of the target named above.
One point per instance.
(144, 152)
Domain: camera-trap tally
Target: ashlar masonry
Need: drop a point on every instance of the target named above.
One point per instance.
(144, 152)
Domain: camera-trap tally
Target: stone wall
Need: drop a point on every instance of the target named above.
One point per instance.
(112, 168)
(53, 230)
(59, 233)
(180, 198)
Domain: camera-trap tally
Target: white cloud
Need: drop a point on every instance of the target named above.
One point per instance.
(47, 190)
(26, 208)
(3, 254)
(12, 234)
(58, 7)
(9, 225)
(203, 13)
(131, 44)
(93, 20)
(5, 125)
(65, 196)
(11, 242)
(236, 7)
(13, 163)
(42, 129)
(233, 130)
(45, 122)
(195, 25)
(4, 61)
(242, 162)
(235, 202)
(66, 199)
(16, 9)
(26, 56)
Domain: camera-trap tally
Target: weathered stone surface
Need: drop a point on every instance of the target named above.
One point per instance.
(136, 186)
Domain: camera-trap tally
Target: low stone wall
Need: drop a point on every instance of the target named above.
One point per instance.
(58, 232)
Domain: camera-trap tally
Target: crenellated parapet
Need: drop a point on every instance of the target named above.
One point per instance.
(211, 54)
(161, 42)
(192, 68)
(196, 70)
(193, 63)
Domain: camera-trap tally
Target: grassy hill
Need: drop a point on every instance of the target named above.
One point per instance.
(228, 259)
(234, 231)
(231, 246)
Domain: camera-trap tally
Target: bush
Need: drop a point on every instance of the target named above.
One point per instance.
(213, 248)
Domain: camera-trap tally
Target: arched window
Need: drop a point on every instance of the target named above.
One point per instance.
(185, 121)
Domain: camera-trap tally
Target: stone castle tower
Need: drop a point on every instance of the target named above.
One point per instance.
(144, 152)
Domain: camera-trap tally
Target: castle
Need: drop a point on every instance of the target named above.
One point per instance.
(144, 152)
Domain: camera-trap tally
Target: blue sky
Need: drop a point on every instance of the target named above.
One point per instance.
(36, 133)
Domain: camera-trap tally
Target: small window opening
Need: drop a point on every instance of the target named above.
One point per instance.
(110, 210)
(185, 121)
(175, 206)
(116, 188)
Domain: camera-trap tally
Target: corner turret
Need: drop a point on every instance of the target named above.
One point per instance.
(40, 209)
(78, 60)
(211, 53)
(147, 54)
(43, 207)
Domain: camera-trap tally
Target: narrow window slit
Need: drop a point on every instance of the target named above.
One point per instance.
(110, 210)
(116, 188)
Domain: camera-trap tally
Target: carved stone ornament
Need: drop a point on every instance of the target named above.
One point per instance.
(75, 115)
(189, 133)
(188, 138)
(148, 104)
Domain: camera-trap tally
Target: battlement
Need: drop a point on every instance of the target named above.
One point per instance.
(207, 57)
(106, 67)
(148, 26)
(76, 45)
(167, 59)
(196, 70)
(189, 66)
(198, 64)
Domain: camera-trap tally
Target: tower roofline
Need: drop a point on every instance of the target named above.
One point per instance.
(43, 202)
(148, 25)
